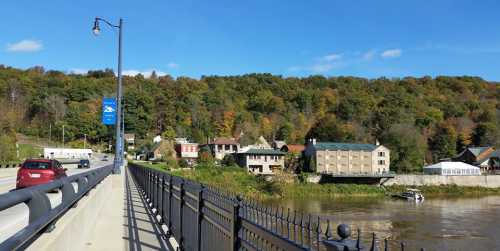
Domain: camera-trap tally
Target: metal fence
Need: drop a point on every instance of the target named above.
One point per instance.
(41, 214)
(200, 217)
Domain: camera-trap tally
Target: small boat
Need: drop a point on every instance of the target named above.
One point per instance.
(410, 194)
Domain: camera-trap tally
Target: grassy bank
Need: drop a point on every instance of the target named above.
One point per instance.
(237, 180)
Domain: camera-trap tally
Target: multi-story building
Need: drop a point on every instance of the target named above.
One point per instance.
(187, 151)
(220, 147)
(347, 158)
(130, 141)
(261, 161)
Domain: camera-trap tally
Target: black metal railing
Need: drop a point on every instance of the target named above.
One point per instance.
(41, 213)
(200, 217)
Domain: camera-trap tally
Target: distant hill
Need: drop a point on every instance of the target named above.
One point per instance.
(417, 118)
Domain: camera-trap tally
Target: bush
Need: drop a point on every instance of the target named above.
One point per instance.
(7, 148)
(228, 160)
(183, 163)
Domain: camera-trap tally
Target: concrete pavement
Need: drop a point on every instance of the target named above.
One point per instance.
(140, 229)
(115, 216)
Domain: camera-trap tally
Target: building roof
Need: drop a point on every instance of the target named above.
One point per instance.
(262, 143)
(224, 141)
(494, 154)
(478, 150)
(294, 148)
(344, 146)
(279, 143)
(451, 165)
(263, 152)
(129, 136)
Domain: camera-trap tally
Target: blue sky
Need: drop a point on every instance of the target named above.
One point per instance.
(231, 37)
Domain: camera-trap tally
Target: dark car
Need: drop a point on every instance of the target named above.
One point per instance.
(39, 171)
(84, 163)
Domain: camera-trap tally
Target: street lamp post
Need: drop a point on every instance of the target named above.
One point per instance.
(119, 135)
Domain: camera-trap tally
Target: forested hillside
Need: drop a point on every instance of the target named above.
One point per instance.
(419, 119)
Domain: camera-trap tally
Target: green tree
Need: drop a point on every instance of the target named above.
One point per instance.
(7, 148)
(407, 147)
(444, 141)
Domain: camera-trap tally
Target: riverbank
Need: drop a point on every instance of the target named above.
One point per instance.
(486, 181)
(237, 180)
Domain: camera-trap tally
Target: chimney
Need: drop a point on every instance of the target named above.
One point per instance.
(377, 143)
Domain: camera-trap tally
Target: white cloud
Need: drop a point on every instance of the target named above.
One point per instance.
(392, 53)
(78, 71)
(369, 55)
(331, 57)
(321, 67)
(145, 73)
(25, 46)
(172, 65)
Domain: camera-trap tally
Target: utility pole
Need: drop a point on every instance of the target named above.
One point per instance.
(84, 140)
(119, 93)
(63, 136)
(50, 133)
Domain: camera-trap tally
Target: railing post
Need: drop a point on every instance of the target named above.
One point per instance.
(38, 205)
(200, 217)
(181, 205)
(235, 225)
(162, 196)
(169, 209)
(154, 199)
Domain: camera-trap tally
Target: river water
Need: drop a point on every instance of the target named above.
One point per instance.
(471, 223)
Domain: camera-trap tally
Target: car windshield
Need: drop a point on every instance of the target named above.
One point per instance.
(36, 165)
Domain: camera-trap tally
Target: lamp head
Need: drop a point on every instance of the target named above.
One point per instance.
(96, 30)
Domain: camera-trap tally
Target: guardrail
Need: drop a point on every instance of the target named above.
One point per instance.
(10, 165)
(16, 164)
(204, 218)
(41, 215)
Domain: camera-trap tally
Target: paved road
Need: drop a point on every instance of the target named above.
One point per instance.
(15, 218)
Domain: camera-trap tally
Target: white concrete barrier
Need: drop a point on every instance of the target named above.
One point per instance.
(489, 181)
(76, 229)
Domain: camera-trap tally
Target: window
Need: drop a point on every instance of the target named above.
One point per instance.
(36, 165)
(381, 154)
(381, 162)
(227, 147)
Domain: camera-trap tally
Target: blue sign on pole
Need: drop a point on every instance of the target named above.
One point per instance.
(109, 111)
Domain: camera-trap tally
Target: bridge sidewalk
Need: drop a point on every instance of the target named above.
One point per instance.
(141, 232)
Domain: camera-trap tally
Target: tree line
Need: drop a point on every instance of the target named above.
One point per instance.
(421, 120)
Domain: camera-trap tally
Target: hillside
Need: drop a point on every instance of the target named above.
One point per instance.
(417, 118)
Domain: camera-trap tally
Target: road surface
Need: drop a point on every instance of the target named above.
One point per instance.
(15, 218)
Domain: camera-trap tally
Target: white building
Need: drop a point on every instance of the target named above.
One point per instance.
(261, 161)
(66, 153)
(449, 168)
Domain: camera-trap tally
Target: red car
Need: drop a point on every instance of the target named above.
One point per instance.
(39, 171)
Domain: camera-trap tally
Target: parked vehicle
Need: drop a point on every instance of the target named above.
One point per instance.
(39, 171)
(105, 158)
(84, 163)
(411, 194)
